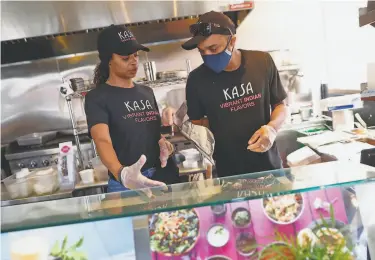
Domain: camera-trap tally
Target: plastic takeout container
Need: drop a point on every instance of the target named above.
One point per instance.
(19, 187)
(191, 154)
(41, 181)
(46, 181)
(100, 171)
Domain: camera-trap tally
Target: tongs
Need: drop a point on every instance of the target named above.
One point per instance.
(200, 136)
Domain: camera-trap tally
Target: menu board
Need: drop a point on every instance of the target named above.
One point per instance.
(100, 240)
(244, 230)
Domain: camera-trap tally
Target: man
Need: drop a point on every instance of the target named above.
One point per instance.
(238, 94)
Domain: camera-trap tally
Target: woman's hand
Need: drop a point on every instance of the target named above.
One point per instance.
(167, 116)
(132, 178)
(166, 149)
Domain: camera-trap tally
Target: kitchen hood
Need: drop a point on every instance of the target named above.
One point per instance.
(44, 29)
(26, 19)
(367, 14)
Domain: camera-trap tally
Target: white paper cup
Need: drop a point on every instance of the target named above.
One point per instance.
(87, 176)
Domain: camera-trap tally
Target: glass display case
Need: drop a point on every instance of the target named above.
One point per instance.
(280, 214)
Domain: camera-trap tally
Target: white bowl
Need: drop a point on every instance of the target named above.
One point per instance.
(285, 223)
(215, 241)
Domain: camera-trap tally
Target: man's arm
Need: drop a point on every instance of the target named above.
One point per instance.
(263, 139)
(103, 143)
(278, 115)
(277, 96)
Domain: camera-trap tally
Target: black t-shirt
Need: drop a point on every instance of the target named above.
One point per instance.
(134, 124)
(237, 104)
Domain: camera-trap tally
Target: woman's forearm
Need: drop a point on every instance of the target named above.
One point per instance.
(108, 157)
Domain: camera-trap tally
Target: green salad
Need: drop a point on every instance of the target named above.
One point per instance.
(174, 233)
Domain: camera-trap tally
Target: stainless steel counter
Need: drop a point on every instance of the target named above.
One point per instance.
(7, 201)
(61, 194)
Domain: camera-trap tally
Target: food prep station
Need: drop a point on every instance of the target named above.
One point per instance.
(223, 219)
(237, 218)
(19, 191)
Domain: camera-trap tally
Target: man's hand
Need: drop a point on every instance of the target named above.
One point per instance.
(167, 116)
(263, 139)
(133, 179)
(166, 149)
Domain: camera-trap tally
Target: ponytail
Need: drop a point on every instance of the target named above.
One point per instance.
(101, 72)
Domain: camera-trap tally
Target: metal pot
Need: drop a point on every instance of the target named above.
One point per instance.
(150, 70)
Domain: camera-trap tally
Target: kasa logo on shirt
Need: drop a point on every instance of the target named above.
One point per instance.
(137, 111)
(238, 98)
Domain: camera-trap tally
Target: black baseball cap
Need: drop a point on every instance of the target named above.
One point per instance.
(208, 24)
(118, 40)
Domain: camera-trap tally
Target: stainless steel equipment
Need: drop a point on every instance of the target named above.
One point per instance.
(150, 70)
(200, 136)
(30, 98)
(67, 92)
(29, 79)
(188, 66)
(175, 74)
(24, 19)
(77, 84)
(42, 155)
(36, 138)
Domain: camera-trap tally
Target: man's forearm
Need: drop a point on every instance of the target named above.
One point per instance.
(108, 157)
(278, 116)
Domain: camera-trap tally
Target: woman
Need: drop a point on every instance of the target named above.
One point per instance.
(123, 118)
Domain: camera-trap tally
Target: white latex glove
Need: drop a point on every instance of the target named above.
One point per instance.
(166, 149)
(133, 179)
(262, 140)
(167, 116)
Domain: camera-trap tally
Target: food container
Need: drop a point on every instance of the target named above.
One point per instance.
(100, 171)
(219, 210)
(87, 176)
(269, 253)
(218, 257)
(218, 235)
(29, 247)
(190, 164)
(246, 244)
(191, 154)
(297, 216)
(45, 181)
(21, 187)
(40, 181)
(188, 218)
(241, 218)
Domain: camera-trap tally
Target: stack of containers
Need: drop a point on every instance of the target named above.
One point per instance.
(25, 183)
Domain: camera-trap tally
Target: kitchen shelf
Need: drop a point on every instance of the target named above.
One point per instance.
(185, 195)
